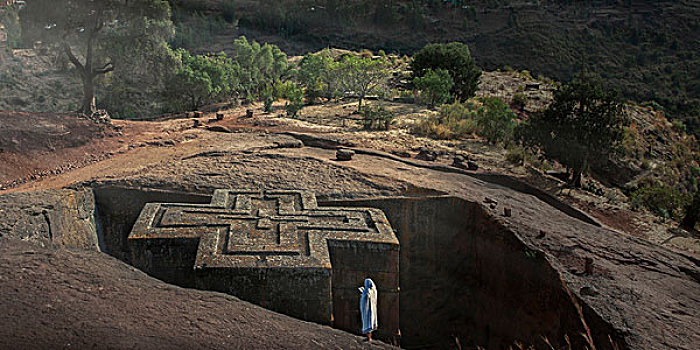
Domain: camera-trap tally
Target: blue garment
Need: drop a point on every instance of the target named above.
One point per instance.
(368, 307)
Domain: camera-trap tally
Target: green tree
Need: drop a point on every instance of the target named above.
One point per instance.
(91, 26)
(435, 86)
(583, 124)
(362, 76)
(495, 120)
(202, 79)
(454, 58)
(295, 95)
(260, 66)
(316, 74)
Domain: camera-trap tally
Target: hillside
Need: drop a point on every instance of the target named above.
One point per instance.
(647, 49)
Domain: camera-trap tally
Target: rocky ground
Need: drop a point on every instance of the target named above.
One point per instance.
(62, 299)
(646, 292)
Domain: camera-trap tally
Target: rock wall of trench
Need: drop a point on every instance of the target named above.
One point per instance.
(466, 278)
(63, 218)
(118, 208)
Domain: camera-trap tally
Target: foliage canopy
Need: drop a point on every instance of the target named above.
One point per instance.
(202, 79)
(495, 120)
(435, 86)
(97, 29)
(362, 76)
(583, 124)
(454, 58)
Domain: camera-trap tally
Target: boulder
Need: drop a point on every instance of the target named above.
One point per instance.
(344, 154)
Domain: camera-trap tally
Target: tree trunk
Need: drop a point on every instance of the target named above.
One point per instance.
(576, 179)
(89, 106)
(578, 172)
(359, 104)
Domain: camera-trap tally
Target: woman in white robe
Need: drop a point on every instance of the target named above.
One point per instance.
(368, 308)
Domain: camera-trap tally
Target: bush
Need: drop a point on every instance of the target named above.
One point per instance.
(679, 127)
(692, 212)
(495, 120)
(435, 86)
(454, 58)
(377, 118)
(516, 155)
(660, 199)
(454, 121)
(654, 105)
(268, 98)
(520, 100)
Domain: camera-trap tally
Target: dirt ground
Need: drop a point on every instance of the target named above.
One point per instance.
(43, 151)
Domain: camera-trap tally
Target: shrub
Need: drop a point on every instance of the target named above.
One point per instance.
(454, 121)
(678, 126)
(377, 118)
(435, 86)
(660, 199)
(457, 111)
(516, 155)
(454, 58)
(692, 212)
(430, 127)
(520, 100)
(268, 98)
(495, 120)
(654, 105)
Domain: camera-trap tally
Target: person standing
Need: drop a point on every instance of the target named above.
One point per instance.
(368, 308)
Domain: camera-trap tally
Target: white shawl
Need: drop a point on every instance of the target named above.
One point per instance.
(368, 307)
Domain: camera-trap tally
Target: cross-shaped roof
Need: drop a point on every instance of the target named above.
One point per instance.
(251, 228)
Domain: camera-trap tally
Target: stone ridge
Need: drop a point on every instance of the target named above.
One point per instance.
(251, 228)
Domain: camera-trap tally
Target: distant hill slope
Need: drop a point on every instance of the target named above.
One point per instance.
(650, 50)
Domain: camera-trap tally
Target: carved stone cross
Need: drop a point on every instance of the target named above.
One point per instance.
(274, 248)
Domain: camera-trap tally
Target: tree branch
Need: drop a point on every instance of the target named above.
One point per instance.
(105, 69)
(72, 58)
